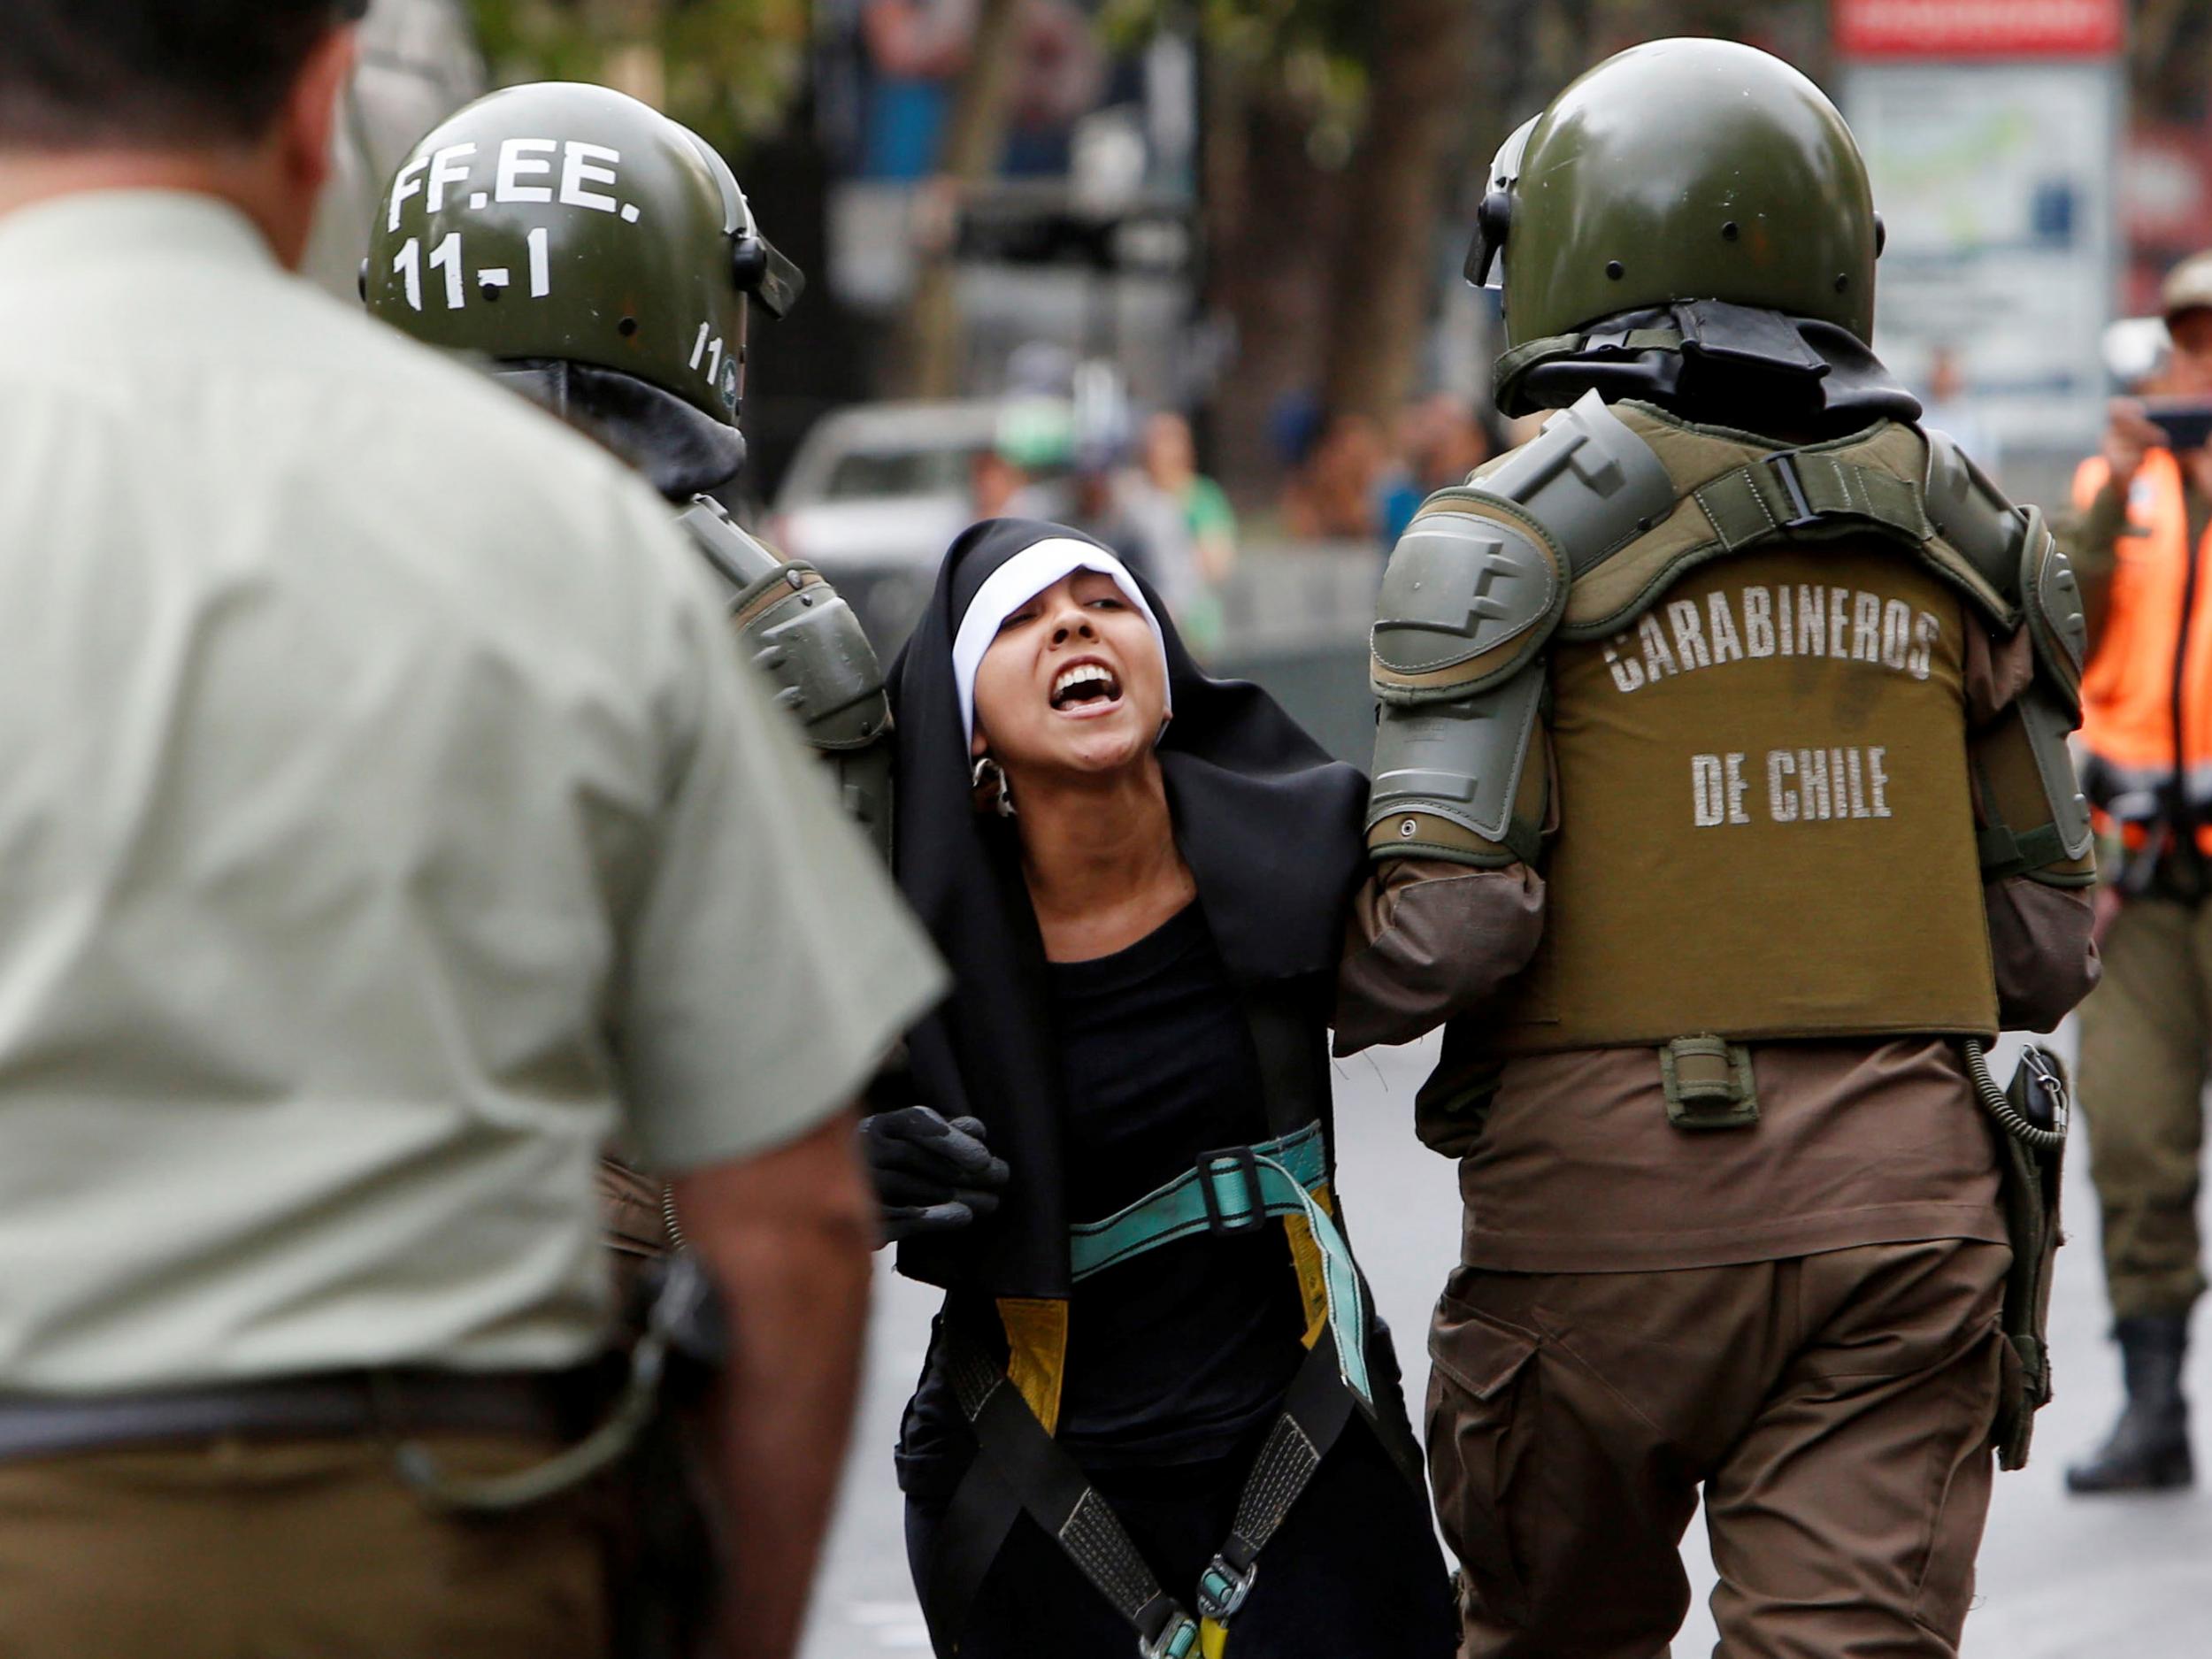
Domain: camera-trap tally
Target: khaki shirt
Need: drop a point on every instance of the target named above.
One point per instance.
(384, 823)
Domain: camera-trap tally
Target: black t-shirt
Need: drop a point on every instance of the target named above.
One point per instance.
(1175, 1355)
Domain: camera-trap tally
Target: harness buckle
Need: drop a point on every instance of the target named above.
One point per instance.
(1222, 1589)
(1228, 1223)
(1178, 1639)
(1785, 465)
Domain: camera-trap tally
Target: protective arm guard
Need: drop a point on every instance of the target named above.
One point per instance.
(1473, 593)
(2035, 818)
(791, 623)
(1467, 605)
(2040, 826)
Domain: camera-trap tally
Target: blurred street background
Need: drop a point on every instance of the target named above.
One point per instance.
(1186, 273)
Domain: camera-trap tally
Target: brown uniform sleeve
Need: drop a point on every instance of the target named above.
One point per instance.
(2039, 917)
(1430, 941)
(2041, 943)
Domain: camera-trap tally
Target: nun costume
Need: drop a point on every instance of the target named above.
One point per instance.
(1158, 1411)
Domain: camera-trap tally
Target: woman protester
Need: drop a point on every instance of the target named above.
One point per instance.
(1157, 1399)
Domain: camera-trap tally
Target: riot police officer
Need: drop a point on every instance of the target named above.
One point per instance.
(1721, 810)
(604, 260)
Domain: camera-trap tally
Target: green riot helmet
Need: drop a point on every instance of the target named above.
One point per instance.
(565, 224)
(1680, 171)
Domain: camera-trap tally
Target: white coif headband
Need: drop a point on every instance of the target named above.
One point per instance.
(1013, 585)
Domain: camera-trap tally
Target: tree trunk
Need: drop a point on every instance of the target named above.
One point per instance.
(975, 136)
(1271, 216)
(1387, 253)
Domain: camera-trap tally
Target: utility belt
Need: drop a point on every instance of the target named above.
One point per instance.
(391, 1405)
(2153, 827)
(2157, 856)
(1020, 1468)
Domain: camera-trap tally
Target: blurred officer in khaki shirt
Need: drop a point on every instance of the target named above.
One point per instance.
(384, 823)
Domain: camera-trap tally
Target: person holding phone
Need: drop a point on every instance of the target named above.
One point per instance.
(2138, 546)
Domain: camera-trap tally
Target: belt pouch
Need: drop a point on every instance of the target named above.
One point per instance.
(1708, 1084)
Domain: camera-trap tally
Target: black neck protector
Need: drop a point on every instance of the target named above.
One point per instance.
(681, 451)
(1707, 361)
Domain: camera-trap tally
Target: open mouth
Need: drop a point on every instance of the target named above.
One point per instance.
(1085, 688)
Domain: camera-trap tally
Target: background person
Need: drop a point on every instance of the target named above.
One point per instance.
(1336, 492)
(2140, 543)
(386, 825)
(1144, 927)
(1198, 534)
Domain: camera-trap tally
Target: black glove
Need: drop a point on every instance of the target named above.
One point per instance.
(931, 1176)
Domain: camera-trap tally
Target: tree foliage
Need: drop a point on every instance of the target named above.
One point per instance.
(728, 68)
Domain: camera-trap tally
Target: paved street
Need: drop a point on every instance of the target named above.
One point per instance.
(2061, 1579)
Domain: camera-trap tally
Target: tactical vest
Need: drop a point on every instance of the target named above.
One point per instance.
(1764, 823)
(1747, 665)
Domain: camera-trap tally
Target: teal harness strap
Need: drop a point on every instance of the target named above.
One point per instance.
(1213, 1196)
(1236, 1191)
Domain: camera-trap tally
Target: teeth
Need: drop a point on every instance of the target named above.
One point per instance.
(1083, 673)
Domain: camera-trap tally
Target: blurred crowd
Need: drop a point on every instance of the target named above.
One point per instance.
(1135, 484)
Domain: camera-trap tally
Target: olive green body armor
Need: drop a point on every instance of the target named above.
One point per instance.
(1763, 797)
(1716, 691)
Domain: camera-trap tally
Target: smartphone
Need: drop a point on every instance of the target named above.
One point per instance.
(2186, 422)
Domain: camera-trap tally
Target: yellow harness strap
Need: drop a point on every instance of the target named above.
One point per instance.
(1305, 1255)
(1037, 1353)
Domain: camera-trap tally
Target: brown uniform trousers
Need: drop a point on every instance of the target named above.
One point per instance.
(287, 1550)
(2144, 1033)
(1836, 1408)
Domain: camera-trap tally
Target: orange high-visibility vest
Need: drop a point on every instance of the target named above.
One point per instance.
(2151, 666)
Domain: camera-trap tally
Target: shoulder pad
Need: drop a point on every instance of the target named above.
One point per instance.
(1587, 482)
(741, 560)
(1467, 602)
(2051, 597)
(799, 631)
(1975, 518)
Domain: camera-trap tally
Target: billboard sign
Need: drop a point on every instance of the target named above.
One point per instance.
(1997, 178)
(1980, 29)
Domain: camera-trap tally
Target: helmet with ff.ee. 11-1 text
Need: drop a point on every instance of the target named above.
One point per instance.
(569, 223)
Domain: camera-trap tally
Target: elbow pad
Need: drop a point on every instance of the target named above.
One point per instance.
(806, 639)
(2039, 818)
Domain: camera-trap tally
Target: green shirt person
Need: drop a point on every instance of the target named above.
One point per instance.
(1205, 523)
